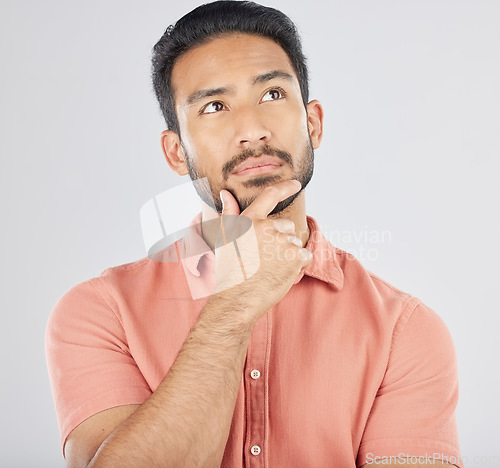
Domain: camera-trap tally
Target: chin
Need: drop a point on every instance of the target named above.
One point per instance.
(262, 181)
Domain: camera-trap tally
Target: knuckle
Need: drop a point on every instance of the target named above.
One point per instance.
(268, 224)
(284, 225)
(295, 240)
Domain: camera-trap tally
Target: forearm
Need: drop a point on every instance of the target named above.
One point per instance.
(186, 421)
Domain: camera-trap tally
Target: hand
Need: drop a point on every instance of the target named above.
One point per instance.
(258, 267)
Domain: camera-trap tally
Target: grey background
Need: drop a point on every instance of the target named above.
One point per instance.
(412, 101)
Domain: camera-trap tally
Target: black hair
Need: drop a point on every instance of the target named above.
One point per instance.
(214, 20)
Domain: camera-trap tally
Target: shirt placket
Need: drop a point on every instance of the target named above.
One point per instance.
(256, 378)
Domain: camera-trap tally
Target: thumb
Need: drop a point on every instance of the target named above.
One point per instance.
(229, 204)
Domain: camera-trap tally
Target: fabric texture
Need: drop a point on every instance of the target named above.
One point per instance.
(344, 369)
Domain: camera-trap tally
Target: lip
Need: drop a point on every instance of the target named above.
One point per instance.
(258, 165)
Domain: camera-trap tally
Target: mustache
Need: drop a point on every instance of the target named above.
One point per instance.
(252, 153)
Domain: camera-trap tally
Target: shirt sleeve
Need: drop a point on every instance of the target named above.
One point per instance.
(413, 414)
(90, 366)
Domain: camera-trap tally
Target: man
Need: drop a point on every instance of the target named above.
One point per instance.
(301, 359)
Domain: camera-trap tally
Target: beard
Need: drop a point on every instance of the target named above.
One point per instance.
(209, 191)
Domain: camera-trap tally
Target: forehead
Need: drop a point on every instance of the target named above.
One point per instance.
(227, 60)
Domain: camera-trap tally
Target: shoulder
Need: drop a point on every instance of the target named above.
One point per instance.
(93, 289)
(141, 274)
(95, 296)
(363, 283)
(117, 288)
(126, 267)
(384, 303)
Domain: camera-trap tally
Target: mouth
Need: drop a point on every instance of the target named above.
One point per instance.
(263, 164)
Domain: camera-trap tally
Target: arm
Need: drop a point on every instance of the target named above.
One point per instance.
(187, 420)
(414, 410)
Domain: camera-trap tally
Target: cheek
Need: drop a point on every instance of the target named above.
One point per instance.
(202, 134)
(293, 114)
(206, 152)
(293, 128)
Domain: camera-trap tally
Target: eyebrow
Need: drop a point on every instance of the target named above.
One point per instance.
(271, 75)
(209, 92)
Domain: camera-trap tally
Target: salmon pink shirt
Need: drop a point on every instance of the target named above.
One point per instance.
(345, 369)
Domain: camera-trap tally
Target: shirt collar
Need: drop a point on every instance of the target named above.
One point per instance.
(325, 265)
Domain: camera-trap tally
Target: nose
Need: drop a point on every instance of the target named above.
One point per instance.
(250, 128)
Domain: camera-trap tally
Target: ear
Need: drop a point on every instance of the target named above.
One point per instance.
(172, 149)
(315, 122)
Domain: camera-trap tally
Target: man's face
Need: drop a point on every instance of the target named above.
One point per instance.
(242, 120)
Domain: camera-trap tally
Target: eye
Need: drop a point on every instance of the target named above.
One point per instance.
(274, 94)
(212, 107)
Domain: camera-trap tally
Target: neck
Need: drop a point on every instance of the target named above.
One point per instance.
(296, 212)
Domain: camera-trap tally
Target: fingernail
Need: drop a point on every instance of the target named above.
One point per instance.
(221, 195)
(297, 182)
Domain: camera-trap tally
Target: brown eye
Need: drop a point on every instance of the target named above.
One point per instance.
(273, 95)
(213, 107)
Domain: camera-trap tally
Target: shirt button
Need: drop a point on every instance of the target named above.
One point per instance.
(255, 374)
(255, 450)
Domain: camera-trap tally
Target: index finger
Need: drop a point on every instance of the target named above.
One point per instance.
(267, 200)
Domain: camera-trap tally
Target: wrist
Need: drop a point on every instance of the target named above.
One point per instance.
(229, 309)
